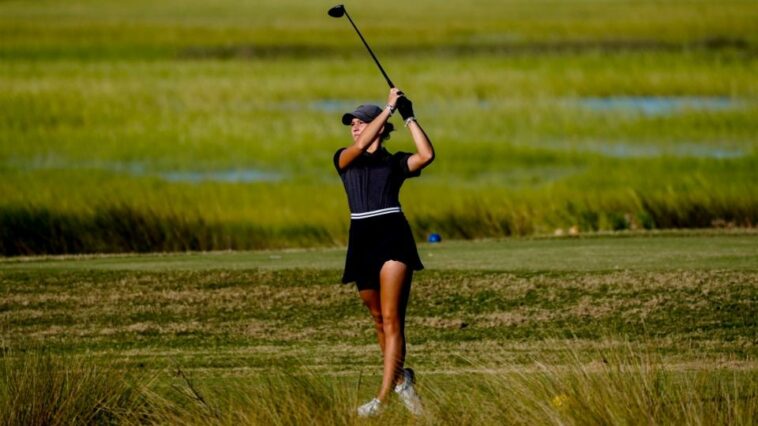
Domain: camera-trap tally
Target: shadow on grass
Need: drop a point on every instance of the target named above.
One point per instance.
(123, 228)
(118, 229)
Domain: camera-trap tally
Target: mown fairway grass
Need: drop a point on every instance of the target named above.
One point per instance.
(138, 126)
(485, 315)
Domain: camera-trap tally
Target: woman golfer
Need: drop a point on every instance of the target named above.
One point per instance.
(381, 254)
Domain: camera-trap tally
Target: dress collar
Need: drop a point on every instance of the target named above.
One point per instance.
(379, 153)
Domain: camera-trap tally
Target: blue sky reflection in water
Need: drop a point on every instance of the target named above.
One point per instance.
(223, 176)
(138, 169)
(657, 105)
(618, 149)
(647, 105)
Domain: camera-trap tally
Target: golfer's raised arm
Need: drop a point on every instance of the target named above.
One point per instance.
(424, 150)
(369, 134)
(364, 140)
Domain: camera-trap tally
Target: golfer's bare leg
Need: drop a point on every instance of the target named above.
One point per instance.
(372, 300)
(394, 292)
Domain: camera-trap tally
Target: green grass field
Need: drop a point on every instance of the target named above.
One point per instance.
(202, 133)
(682, 304)
(138, 126)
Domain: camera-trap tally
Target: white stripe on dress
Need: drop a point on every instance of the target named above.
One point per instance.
(373, 213)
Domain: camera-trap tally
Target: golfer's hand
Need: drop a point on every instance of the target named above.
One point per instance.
(394, 95)
(405, 106)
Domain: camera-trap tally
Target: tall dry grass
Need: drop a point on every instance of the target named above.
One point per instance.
(625, 385)
(38, 388)
(620, 386)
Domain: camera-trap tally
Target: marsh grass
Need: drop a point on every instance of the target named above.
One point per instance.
(99, 101)
(639, 202)
(622, 385)
(41, 388)
(115, 229)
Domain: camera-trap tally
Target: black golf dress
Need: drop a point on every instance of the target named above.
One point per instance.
(378, 229)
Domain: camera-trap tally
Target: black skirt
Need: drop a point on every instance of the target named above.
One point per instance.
(376, 240)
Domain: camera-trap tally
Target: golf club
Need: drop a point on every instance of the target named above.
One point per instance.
(337, 12)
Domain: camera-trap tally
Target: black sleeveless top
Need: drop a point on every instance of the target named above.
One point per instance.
(373, 180)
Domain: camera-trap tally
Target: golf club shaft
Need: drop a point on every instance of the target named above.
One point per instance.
(386, 77)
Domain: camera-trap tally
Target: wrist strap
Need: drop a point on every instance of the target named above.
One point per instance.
(391, 108)
(408, 120)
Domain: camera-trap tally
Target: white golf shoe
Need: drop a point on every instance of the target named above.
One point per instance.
(370, 409)
(406, 392)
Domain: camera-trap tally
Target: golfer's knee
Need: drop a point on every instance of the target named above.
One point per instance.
(391, 324)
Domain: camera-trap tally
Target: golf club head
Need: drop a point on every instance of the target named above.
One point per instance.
(337, 11)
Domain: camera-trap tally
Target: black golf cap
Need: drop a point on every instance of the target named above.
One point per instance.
(365, 113)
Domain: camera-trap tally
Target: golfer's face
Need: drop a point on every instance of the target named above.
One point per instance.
(356, 128)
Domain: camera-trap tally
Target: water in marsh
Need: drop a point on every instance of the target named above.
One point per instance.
(138, 169)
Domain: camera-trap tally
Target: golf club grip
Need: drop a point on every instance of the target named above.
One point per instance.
(386, 77)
